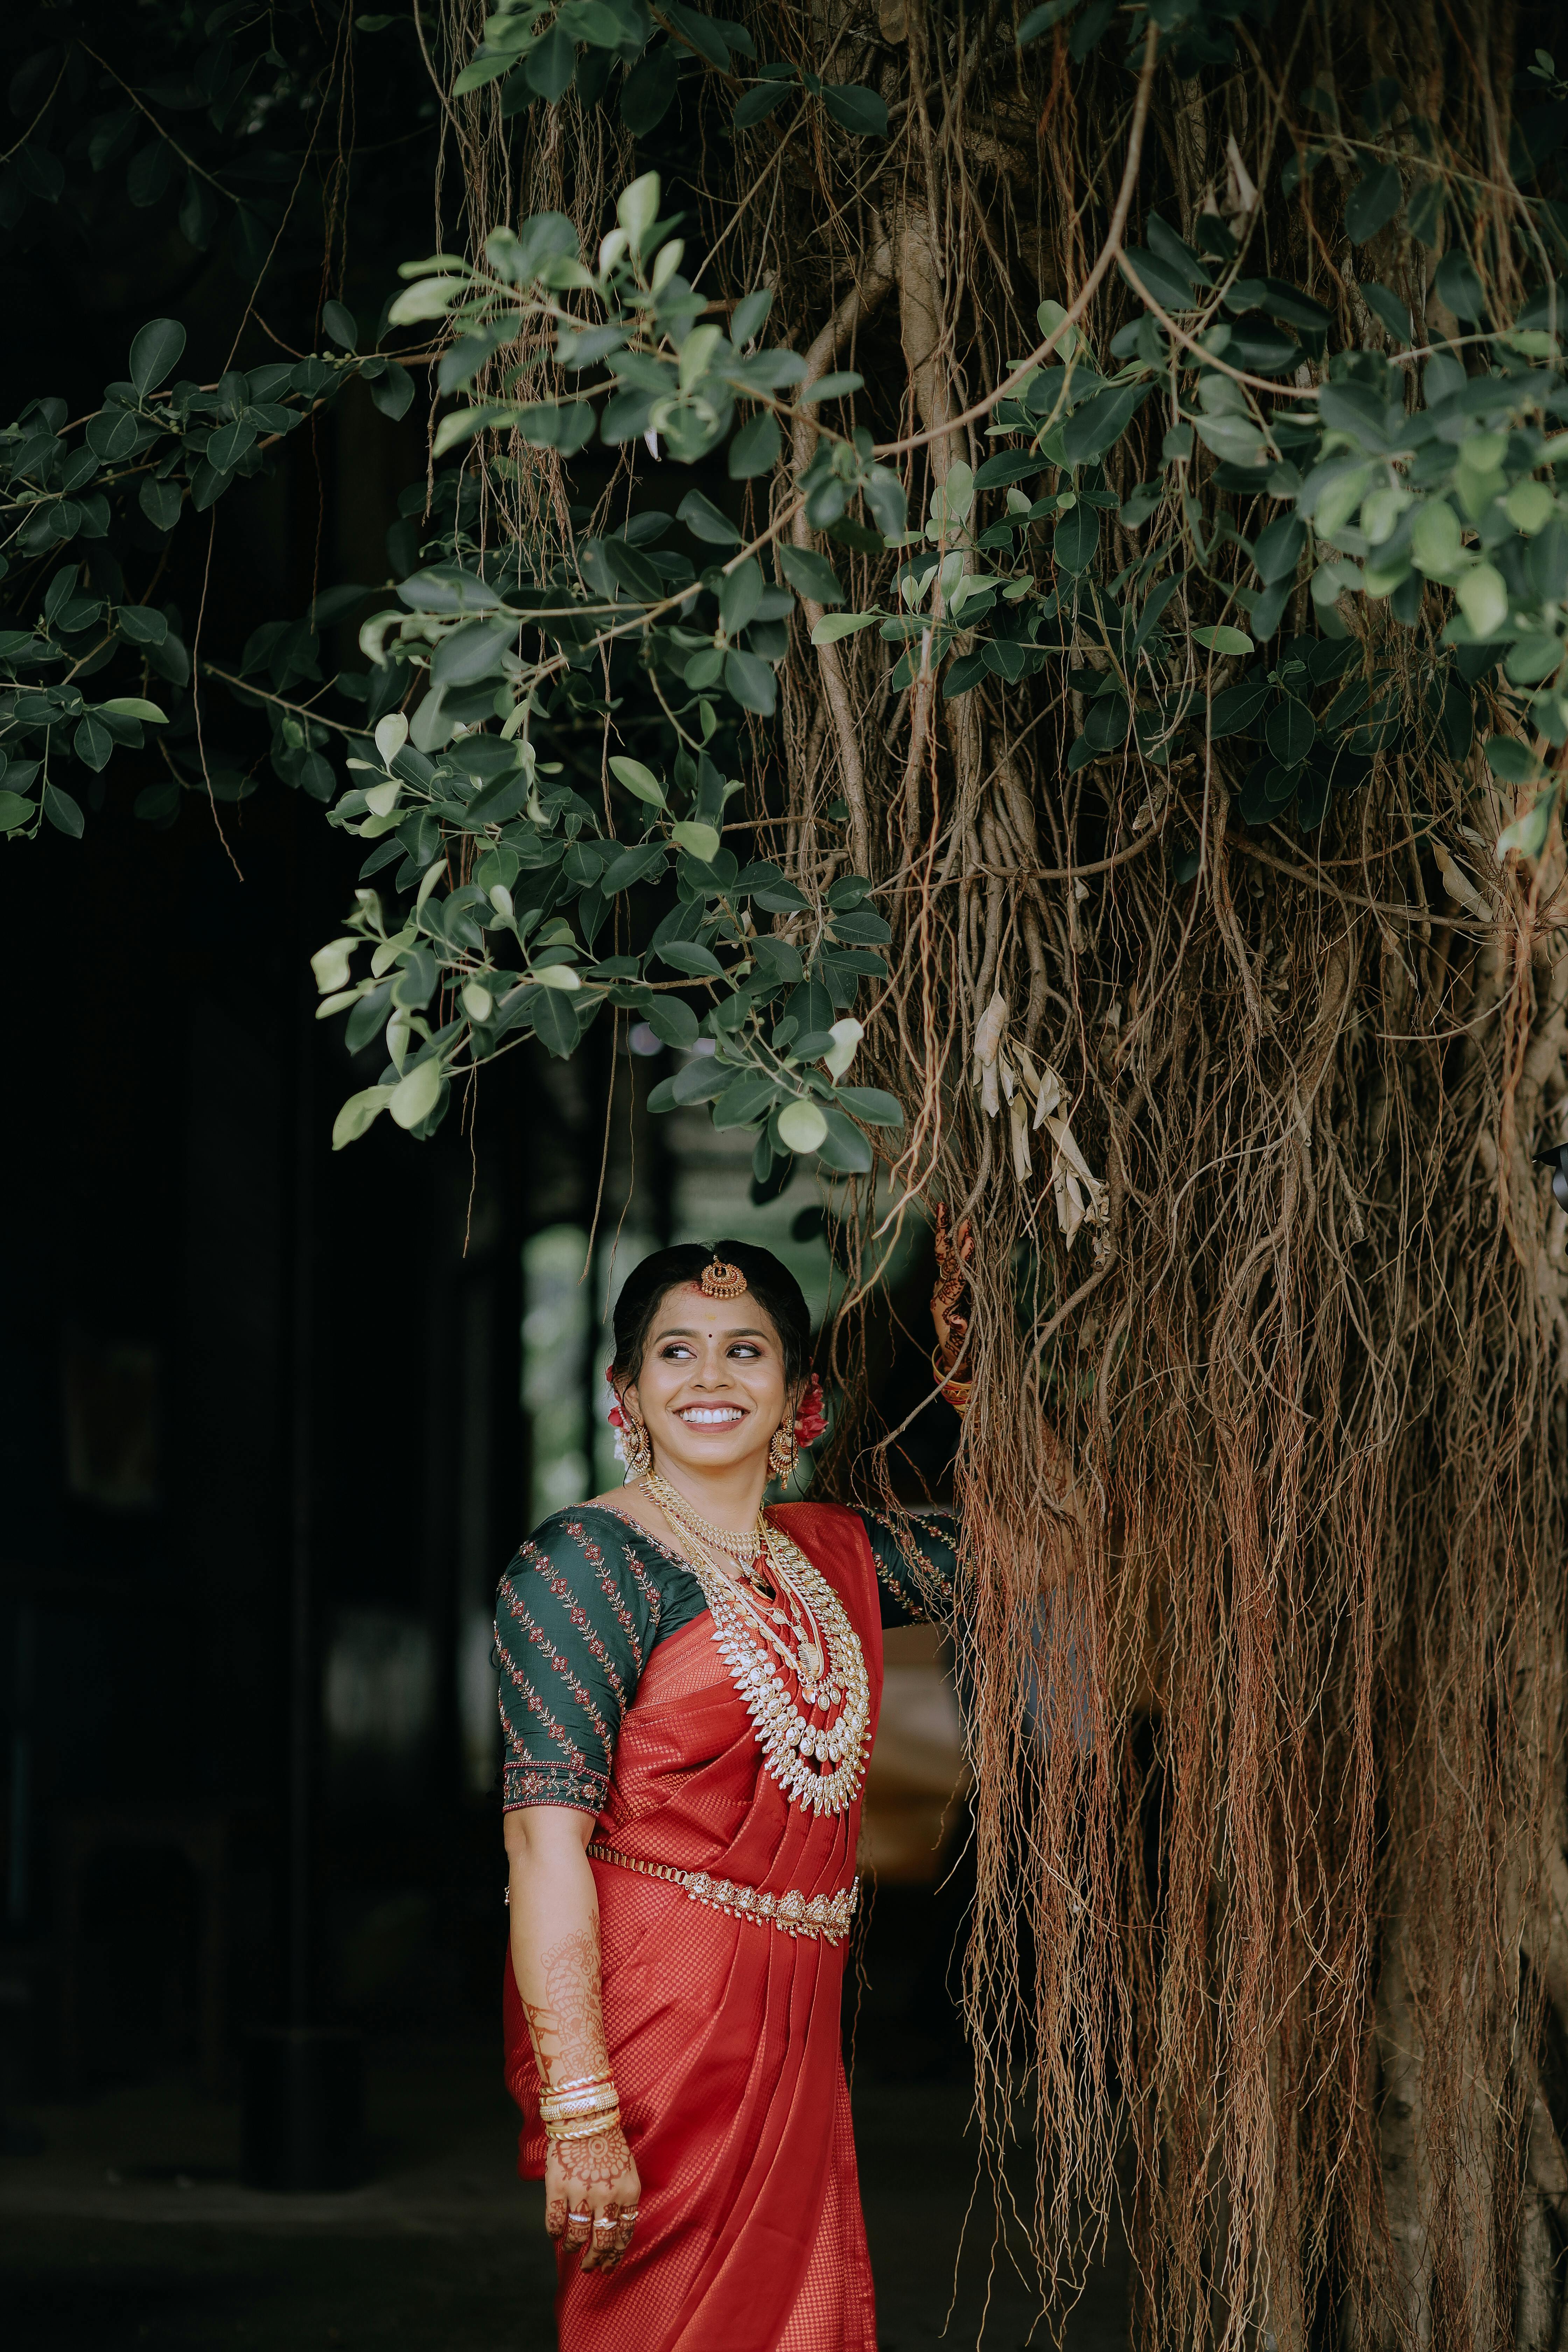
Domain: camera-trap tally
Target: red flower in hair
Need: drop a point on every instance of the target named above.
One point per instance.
(811, 1419)
(617, 1419)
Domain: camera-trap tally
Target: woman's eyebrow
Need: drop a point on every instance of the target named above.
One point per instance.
(685, 1331)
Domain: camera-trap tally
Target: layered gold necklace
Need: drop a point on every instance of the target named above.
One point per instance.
(791, 1652)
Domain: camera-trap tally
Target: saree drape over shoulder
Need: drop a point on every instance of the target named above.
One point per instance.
(722, 2025)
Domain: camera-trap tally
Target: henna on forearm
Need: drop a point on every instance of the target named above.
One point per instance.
(568, 2024)
(557, 1965)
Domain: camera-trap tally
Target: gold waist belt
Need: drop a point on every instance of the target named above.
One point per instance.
(827, 1916)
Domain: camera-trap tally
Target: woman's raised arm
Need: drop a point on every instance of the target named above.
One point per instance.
(591, 2183)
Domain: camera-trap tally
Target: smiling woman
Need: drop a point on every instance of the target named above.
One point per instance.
(690, 1695)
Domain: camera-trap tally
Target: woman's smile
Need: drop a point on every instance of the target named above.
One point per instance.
(709, 1416)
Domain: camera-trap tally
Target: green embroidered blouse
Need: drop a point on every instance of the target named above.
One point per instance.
(587, 1600)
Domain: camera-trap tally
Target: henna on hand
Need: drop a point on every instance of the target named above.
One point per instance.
(954, 1253)
(597, 2176)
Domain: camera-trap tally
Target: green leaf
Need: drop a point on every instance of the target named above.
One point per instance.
(414, 1097)
(756, 104)
(1234, 710)
(700, 841)
(632, 865)
(14, 810)
(461, 424)
(427, 297)
(648, 91)
(550, 65)
(755, 448)
(745, 1101)
(1089, 29)
(1372, 202)
(155, 352)
(688, 956)
(673, 1023)
(340, 325)
(811, 575)
(557, 1022)
(740, 596)
(1277, 548)
(1234, 439)
(1436, 541)
(93, 743)
(843, 1147)
(392, 392)
(1041, 20)
(802, 1127)
(131, 706)
(856, 110)
(1094, 427)
(1510, 760)
(478, 71)
(750, 316)
(1482, 597)
(1528, 834)
(1223, 640)
(360, 1111)
(62, 812)
(638, 781)
(834, 625)
(112, 435)
(141, 624)
(704, 521)
(1386, 306)
(872, 1105)
(1010, 466)
(1076, 537)
(1290, 731)
(478, 649)
(749, 681)
(229, 444)
(161, 503)
(837, 386)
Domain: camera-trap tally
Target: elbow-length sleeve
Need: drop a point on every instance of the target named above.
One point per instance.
(916, 1553)
(573, 1633)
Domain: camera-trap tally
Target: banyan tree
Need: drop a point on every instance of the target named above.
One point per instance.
(1000, 581)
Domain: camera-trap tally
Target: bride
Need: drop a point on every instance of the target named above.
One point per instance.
(689, 1693)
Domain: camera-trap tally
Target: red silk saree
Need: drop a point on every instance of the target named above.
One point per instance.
(723, 2032)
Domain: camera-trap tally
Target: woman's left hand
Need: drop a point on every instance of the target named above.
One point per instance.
(954, 1252)
(591, 2193)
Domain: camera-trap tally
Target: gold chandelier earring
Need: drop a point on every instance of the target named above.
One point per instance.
(637, 1448)
(783, 1451)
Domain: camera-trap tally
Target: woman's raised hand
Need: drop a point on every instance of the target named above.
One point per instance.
(948, 1303)
(591, 2191)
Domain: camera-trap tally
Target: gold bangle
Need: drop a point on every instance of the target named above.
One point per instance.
(578, 2083)
(956, 1391)
(588, 2129)
(555, 2110)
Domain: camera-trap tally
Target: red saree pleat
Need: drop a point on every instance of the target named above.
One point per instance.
(723, 2032)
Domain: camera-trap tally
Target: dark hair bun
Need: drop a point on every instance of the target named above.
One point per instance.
(768, 1281)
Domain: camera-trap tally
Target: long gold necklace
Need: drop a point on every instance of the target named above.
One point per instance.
(796, 1662)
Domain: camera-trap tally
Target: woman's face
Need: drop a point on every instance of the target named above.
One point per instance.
(711, 1387)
